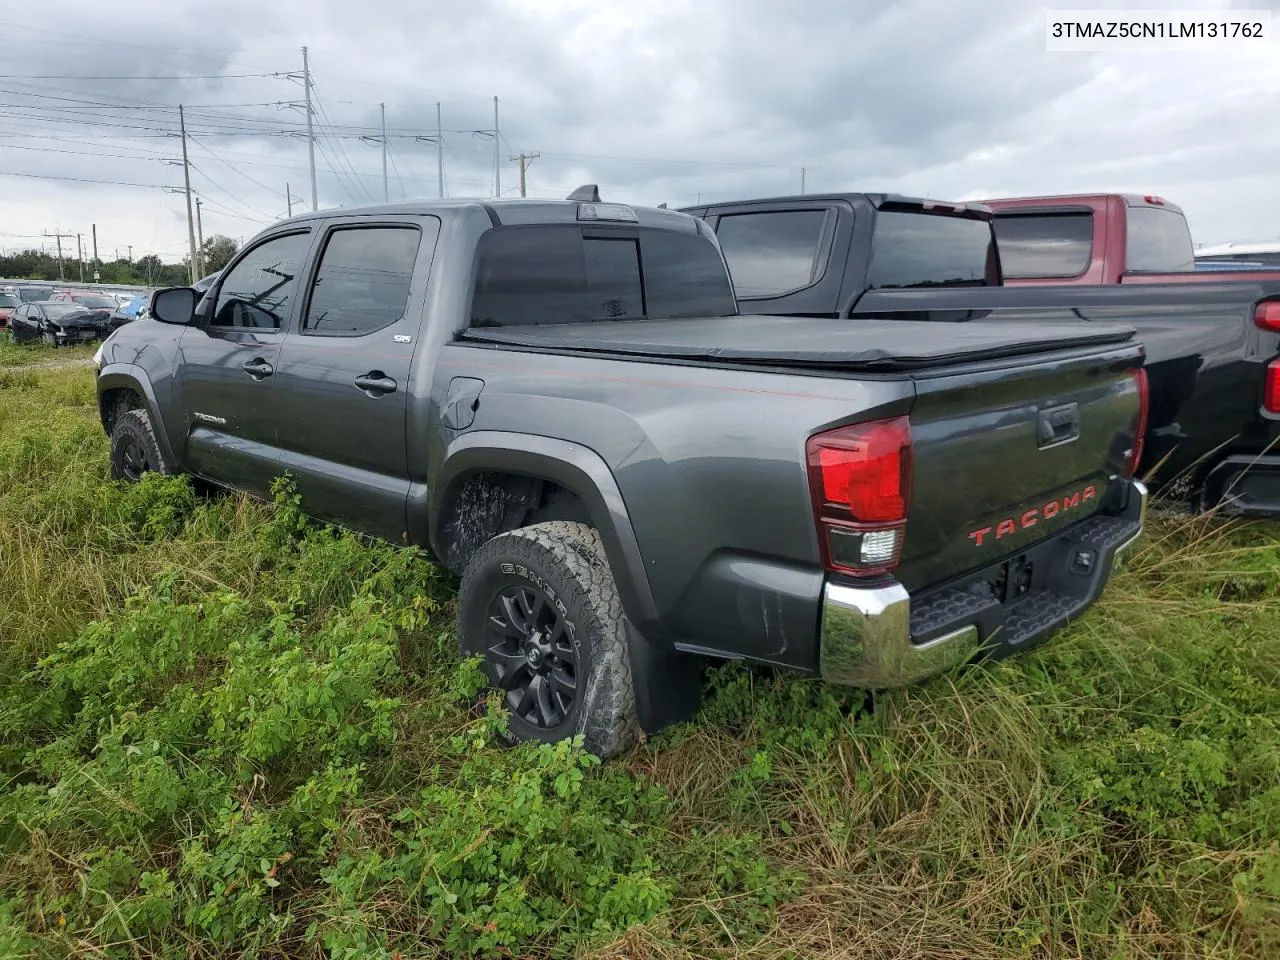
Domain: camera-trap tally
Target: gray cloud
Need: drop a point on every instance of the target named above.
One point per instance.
(657, 101)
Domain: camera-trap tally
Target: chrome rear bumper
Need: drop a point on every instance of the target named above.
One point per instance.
(866, 638)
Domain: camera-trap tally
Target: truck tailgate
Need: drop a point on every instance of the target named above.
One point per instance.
(1007, 454)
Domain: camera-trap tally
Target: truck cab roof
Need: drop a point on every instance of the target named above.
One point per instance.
(519, 212)
(1064, 202)
(880, 201)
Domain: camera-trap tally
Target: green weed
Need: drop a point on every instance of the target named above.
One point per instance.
(226, 732)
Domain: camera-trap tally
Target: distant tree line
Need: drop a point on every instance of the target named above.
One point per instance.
(148, 271)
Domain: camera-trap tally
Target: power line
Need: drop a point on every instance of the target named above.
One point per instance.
(147, 76)
(234, 169)
(392, 157)
(267, 218)
(341, 153)
(150, 48)
(114, 183)
(84, 153)
(341, 178)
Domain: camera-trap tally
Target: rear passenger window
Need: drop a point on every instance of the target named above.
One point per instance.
(539, 275)
(258, 290)
(362, 283)
(530, 276)
(770, 254)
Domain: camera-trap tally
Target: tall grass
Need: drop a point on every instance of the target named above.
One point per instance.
(227, 732)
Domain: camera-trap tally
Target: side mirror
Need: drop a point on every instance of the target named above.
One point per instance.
(174, 305)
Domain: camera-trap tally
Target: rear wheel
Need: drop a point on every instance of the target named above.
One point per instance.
(134, 450)
(540, 605)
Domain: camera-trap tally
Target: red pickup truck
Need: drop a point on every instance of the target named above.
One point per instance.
(1100, 238)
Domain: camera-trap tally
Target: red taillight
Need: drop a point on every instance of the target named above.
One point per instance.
(1266, 315)
(1157, 201)
(860, 479)
(1271, 389)
(1140, 428)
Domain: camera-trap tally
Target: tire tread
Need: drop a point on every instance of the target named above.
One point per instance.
(608, 719)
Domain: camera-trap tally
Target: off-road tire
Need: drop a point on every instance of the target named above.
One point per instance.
(566, 561)
(133, 430)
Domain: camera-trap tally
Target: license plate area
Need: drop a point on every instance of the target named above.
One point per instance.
(1012, 578)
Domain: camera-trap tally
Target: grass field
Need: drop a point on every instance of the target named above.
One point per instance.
(226, 732)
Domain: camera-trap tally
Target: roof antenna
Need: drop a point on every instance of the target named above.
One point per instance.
(587, 193)
(662, 206)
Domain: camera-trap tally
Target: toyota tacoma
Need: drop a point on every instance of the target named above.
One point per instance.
(561, 402)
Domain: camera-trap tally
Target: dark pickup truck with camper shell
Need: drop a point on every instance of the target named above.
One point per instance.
(1212, 345)
(561, 401)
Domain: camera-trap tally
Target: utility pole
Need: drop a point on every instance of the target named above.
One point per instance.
(497, 167)
(58, 235)
(130, 254)
(524, 159)
(96, 276)
(439, 150)
(288, 197)
(311, 133)
(386, 197)
(802, 180)
(80, 256)
(186, 179)
(199, 240)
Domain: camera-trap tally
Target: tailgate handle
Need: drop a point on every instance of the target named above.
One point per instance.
(1059, 425)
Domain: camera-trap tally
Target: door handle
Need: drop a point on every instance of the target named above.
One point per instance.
(1059, 425)
(258, 368)
(376, 383)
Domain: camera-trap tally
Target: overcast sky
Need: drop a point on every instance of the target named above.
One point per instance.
(656, 100)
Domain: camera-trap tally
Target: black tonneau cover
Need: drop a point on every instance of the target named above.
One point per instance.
(807, 341)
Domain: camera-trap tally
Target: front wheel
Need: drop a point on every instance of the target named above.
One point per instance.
(134, 450)
(540, 605)
(50, 340)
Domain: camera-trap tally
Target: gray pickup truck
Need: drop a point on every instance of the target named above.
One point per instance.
(561, 402)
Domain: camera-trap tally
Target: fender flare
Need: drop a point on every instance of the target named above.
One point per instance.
(575, 467)
(130, 376)
(667, 683)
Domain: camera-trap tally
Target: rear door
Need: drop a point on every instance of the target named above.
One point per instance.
(227, 360)
(342, 379)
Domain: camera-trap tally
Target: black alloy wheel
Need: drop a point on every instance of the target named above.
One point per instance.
(133, 459)
(532, 659)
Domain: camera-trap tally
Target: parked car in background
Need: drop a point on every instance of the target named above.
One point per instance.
(130, 310)
(87, 299)
(8, 303)
(1245, 253)
(57, 324)
(562, 401)
(1213, 346)
(1214, 266)
(34, 294)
